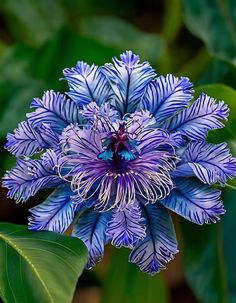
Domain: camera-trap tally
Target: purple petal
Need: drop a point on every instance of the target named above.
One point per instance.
(91, 229)
(128, 80)
(126, 227)
(159, 246)
(166, 95)
(29, 176)
(54, 110)
(56, 213)
(27, 140)
(24, 141)
(87, 84)
(203, 115)
(210, 163)
(195, 201)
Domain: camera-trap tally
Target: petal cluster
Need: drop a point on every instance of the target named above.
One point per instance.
(120, 149)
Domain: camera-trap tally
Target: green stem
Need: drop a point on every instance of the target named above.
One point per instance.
(230, 186)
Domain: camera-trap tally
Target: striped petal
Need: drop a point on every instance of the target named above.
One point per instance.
(91, 229)
(129, 80)
(159, 246)
(210, 163)
(126, 227)
(28, 177)
(56, 213)
(87, 83)
(166, 95)
(26, 140)
(55, 110)
(195, 201)
(203, 115)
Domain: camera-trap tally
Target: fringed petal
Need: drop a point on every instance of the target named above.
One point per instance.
(167, 95)
(128, 80)
(55, 110)
(195, 201)
(210, 163)
(26, 140)
(87, 83)
(126, 227)
(195, 122)
(91, 229)
(28, 177)
(56, 213)
(159, 246)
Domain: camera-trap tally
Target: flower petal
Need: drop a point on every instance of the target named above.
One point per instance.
(128, 80)
(159, 246)
(195, 201)
(26, 140)
(210, 163)
(56, 213)
(126, 227)
(87, 83)
(166, 95)
(91, 229)
(29, 176)
(54, 109)
(203, 115)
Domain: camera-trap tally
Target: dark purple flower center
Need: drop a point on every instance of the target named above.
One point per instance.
(119, 147)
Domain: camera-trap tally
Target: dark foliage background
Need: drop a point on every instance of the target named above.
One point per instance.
(194, 38)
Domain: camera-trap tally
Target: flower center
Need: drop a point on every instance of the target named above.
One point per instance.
(119, 148)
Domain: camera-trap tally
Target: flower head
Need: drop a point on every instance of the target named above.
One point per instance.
(117, 161)
(121, 148)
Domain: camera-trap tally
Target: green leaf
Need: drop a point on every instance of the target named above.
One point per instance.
(38, 266)
(209, 256)
(214, 22)
(34, 21)
(126, 283)
(122, 35)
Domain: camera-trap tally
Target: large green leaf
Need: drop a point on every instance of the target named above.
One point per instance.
(38, 266)
(215, 23)
(126, 283)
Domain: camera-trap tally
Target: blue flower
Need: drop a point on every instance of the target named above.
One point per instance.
(119, 150)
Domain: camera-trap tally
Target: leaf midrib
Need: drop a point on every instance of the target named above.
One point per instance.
(27, 259)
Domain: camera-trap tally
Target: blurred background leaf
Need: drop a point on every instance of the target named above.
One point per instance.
(17, 86)
(215, 23)
(209, 252)
(126, 283)
(209, 256)
(120, 34)
(34, 21)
